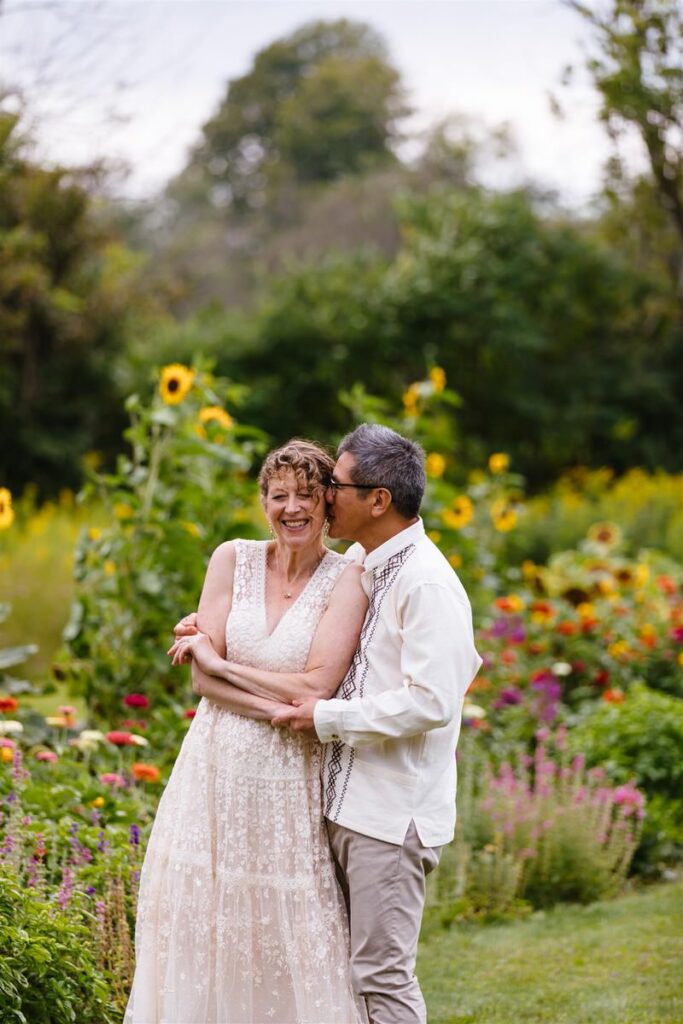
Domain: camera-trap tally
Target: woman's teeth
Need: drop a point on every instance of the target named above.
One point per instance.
(297, 524)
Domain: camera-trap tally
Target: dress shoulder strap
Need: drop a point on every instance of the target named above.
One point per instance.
(247, 584)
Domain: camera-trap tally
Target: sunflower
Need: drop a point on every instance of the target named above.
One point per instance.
(437, 376)
(503, 516)
(176, 381)
(607, 535)
(435, 464)
(460, 514)
(6, 510)
(499, 462)
(214, 414)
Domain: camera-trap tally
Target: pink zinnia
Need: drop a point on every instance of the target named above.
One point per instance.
(136, 700)
(46, 755)
(112, 779)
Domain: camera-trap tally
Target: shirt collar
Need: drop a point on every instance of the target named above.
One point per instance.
(401, 540)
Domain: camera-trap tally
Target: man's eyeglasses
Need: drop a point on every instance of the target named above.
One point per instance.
(336, 485)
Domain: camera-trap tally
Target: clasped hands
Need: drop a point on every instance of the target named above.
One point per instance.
(191, 644)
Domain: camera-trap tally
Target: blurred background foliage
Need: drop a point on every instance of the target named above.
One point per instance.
(300, 253)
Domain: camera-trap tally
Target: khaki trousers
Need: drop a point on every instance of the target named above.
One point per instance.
(384, 889)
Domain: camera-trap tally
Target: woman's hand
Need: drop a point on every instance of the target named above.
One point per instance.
(197, 648)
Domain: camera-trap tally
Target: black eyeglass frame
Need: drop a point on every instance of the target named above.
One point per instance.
(336, 485)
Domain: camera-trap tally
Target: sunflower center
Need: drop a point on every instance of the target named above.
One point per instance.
(173, 384)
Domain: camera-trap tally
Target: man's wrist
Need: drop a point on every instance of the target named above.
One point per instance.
(326, 720)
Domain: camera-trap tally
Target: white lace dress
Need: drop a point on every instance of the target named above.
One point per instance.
(240, 919)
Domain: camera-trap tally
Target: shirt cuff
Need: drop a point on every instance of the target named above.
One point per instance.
(327, 719)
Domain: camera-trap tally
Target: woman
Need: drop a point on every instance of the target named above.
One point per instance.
(240, 920)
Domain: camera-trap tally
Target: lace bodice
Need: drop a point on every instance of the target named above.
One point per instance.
(286, 648)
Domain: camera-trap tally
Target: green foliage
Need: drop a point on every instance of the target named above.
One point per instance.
(48, 972)
(66, 296)
(181, 491)
(315, 105)
(642, 739)
(491, 290)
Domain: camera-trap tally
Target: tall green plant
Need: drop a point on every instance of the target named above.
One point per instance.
(182, 488)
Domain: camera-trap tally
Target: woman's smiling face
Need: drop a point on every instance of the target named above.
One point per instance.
(295, 509)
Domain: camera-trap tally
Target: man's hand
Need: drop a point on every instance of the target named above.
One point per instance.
(187, 626)
(299, 718)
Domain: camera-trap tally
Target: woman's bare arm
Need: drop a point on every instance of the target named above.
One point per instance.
(332, 649)
(214, 607)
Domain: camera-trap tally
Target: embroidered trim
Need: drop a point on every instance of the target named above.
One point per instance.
(354, 680)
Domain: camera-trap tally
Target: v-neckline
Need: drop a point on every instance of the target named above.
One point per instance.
(264, 585)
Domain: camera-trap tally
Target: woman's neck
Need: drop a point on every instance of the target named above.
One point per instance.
(292, 564)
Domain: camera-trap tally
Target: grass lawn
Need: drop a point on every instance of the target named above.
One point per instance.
(617, 962)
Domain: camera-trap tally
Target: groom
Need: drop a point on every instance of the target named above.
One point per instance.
(389, 772)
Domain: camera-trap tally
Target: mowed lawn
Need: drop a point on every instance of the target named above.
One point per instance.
(617, 962)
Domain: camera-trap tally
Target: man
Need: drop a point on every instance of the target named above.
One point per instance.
(389, 772)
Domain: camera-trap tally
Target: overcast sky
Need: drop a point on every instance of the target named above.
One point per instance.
(134, 79)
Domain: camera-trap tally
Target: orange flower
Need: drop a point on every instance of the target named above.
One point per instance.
(566, 628)
(8, 704)
(510, 604)
(146, 772)
(613, 696)
(666, 584)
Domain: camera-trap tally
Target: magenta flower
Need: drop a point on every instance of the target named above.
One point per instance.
(136, 700)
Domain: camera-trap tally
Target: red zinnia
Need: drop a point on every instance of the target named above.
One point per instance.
(121, 739)
(136, 700)
(8, 704)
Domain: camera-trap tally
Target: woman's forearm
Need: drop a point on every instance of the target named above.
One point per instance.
(240, 701)
(279, 686)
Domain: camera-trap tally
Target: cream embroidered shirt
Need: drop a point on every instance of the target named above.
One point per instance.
(392, 729)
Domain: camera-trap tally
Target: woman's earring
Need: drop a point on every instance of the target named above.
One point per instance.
(270, 529)
(326, 529)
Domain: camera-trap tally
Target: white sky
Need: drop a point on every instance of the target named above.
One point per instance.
(134, 80)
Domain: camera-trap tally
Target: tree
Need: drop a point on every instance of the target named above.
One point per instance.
(638, 71)
(66, 298)
(319, 103)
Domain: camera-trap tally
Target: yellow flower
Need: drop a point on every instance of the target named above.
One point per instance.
(6, 754)
(435, 464)
(410, 398)
(586, 610)
(499, 462)
(460, 514)
(619, 649)
(680, 659)
(642, 575)
(6, 510)
(97, 802)
(434, 536)
(455, 561)
(528, 569)
(176, 381)
(109, 567)
(214, 413)
(607, 535)
(192, 529)
(122, 510)
(94, 533)
(503, 516)
(437, 376)
(606, 585)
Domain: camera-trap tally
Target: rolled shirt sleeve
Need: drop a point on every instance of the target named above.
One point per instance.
(438, 662)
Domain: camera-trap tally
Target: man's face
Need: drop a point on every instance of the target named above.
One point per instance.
(349, 512)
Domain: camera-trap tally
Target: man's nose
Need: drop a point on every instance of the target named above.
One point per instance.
(330, 494)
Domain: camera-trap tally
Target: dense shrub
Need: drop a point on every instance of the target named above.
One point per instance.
(48, 968)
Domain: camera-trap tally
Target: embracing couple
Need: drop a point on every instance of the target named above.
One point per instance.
(284, 879)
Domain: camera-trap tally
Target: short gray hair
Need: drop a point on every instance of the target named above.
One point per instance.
(385, 458)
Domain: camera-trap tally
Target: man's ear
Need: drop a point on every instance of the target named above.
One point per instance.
(381, 500)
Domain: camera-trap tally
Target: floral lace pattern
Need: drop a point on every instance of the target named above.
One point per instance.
(240, 919)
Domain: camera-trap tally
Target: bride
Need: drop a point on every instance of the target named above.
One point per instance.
(240, 919)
